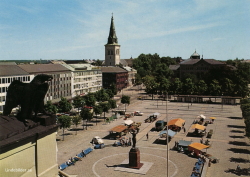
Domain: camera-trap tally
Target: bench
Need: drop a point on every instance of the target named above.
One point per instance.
(63, 166)
(87, 151)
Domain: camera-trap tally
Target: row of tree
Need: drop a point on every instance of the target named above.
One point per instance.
(93, 103)
(154, 73)
(245, 108)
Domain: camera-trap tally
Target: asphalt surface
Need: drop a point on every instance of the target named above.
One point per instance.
(228, 142)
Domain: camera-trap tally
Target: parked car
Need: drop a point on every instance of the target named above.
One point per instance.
(138, 113)
(160, 125)
(97, 140)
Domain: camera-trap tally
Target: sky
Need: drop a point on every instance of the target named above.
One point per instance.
(78, 29)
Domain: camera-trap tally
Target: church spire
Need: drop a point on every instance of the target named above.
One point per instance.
(112, 39)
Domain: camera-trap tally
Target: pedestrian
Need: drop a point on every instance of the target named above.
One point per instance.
(147, 136)
(201, 140)
(238, 168)
(83, 154)
(184, 129)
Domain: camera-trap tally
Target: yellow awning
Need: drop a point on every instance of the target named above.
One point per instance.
(178, 122)
(212, 117)
(198, 126)
(198, 146)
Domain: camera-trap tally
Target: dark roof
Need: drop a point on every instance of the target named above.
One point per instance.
(44, 68)
(194, 61)
(174, 67)
(11, 70)
(129, 61)
(113, 69)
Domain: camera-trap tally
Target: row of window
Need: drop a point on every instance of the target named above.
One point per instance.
(8, 80)
(3, 89)
(111, 52)
(86, 73)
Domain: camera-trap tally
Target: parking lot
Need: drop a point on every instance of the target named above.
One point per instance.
(228, 142)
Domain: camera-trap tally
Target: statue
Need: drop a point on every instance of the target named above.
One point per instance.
(30, 96)
(134, 132)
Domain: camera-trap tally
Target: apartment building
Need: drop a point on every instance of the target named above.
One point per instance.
(60, 86)
(85, 78)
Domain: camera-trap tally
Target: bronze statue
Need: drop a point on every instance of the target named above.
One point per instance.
(30, 96)
(134, 132)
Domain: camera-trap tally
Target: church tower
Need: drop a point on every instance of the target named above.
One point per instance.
(112, 48)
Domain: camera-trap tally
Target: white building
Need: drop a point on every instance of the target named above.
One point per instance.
(85, 78)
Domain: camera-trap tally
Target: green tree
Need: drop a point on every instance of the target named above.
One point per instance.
(65, 122)
(215, 88)
(176, 86)
(245, 108)
(138, 79)
(87, 115)
(98, 62)
(188, 86)
(90, 99)
(150, 84)
(113, 88)
(110, 93)
(228, 87)
(78, 102)
(112, 104)
(125, 100)
(64, 105)
(101, 95)
(76, 121)
(201, 87)
(105, 107)
(50, 108)
(97, 110)
(164, 86)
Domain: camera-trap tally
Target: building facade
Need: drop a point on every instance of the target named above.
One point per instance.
(112, 48)
(114, 75)
(9, 73)
(60, 86)
(85, 78)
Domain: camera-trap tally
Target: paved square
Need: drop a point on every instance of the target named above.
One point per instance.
(143, 170)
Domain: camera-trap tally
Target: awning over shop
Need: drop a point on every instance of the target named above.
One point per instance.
(177, 122)
(184, 143)
(198, 146)
(170, 133)
(198, 126)
(119, 128)
(212, 117)
(128, 122)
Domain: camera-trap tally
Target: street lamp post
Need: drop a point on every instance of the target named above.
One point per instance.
(167, 131)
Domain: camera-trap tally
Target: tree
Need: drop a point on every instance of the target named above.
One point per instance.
(188, 86)
(113, 88)
(105, 107)
(101, 95)
(110, 93)
(150, 84)
(245, 108)
(164, 86)
(78, 102)
(86, 114)
(64, 105)
(50, 108)
(97, 110)
(176, 86)
(65, 122)
(228, 87)
(201, 87)
(90, 99)
(76, 121)
(98, 62)
(125, 100)
(112, 104)
(215, 87)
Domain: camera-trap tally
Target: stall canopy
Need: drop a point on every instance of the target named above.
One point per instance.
(177, 122)
(170, 133)
(212, 117)
(184, 143)
(197, 146)
(198, 126)
(201, 116)
(119, 128)
(128, 122)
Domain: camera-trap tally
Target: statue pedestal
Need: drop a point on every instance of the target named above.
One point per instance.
(134, 158)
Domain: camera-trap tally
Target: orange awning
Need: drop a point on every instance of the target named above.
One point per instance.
(119, 128)
(212, 117)
(198, 146)
(178, 122)
(198, 126)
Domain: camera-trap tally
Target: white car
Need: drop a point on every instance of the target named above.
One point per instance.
(97, 140)
(138, 113)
